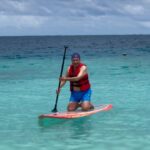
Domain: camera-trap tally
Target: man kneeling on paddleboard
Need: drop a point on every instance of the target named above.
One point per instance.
(79, 85)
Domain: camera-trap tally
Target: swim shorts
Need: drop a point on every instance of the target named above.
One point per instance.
(80, 96)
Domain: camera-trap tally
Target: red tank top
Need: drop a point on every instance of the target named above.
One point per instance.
(83, 83)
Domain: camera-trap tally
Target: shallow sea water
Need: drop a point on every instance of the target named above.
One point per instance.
(27, 90)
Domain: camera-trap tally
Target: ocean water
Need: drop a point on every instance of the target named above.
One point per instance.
(119, 70)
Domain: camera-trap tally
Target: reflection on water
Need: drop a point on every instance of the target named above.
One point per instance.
(50, 122)
(73, 127)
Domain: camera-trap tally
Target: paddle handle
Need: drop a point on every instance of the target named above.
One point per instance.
(61, 72)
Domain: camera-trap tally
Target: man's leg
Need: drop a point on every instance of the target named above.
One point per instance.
(86, 100)
(74, 101)
(72, 106)
(86, 105)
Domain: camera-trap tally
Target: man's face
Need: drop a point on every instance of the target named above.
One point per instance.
(75, 61)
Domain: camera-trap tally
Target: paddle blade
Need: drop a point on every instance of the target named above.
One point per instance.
(54, 110)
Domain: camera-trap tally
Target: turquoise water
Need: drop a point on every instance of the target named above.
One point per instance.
(27, 90)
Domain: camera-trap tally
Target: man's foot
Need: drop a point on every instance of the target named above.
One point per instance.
(92, 107)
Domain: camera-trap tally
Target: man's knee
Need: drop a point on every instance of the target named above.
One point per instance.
(87, 106)
(72, 107)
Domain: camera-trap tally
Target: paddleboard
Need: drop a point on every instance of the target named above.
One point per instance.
(77, 113)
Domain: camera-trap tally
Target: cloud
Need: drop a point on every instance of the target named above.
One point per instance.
(74, 8)
(21, 21)
(75, 15)
(134, 10)
(21, 7)
(145, 23)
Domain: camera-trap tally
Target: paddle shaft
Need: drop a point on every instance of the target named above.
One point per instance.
(62, 67)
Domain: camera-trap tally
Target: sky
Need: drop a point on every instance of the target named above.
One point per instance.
(74, 17)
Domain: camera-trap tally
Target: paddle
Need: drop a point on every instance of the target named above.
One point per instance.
(62, 67)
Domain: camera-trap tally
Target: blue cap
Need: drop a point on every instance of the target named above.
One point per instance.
(75, 55)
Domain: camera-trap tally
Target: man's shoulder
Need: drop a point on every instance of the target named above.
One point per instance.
(84, 67)
(68, 68)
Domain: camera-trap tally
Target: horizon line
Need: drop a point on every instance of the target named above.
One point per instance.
(75, 35)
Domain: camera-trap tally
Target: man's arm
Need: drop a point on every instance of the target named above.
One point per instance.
(62, 82)
(65, 76)
(82, 72)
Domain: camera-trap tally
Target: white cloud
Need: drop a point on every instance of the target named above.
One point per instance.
(145, 24)
(47, 10)
(13, 7)
(22, 21)
(134, 9)
(147, 1)
(19, 5)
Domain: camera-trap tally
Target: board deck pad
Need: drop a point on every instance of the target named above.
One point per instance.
(77, 113)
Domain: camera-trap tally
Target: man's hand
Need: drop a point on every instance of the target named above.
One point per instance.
(63, 78)
(58, 90)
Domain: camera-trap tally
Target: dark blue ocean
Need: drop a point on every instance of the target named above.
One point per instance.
(119, 71)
